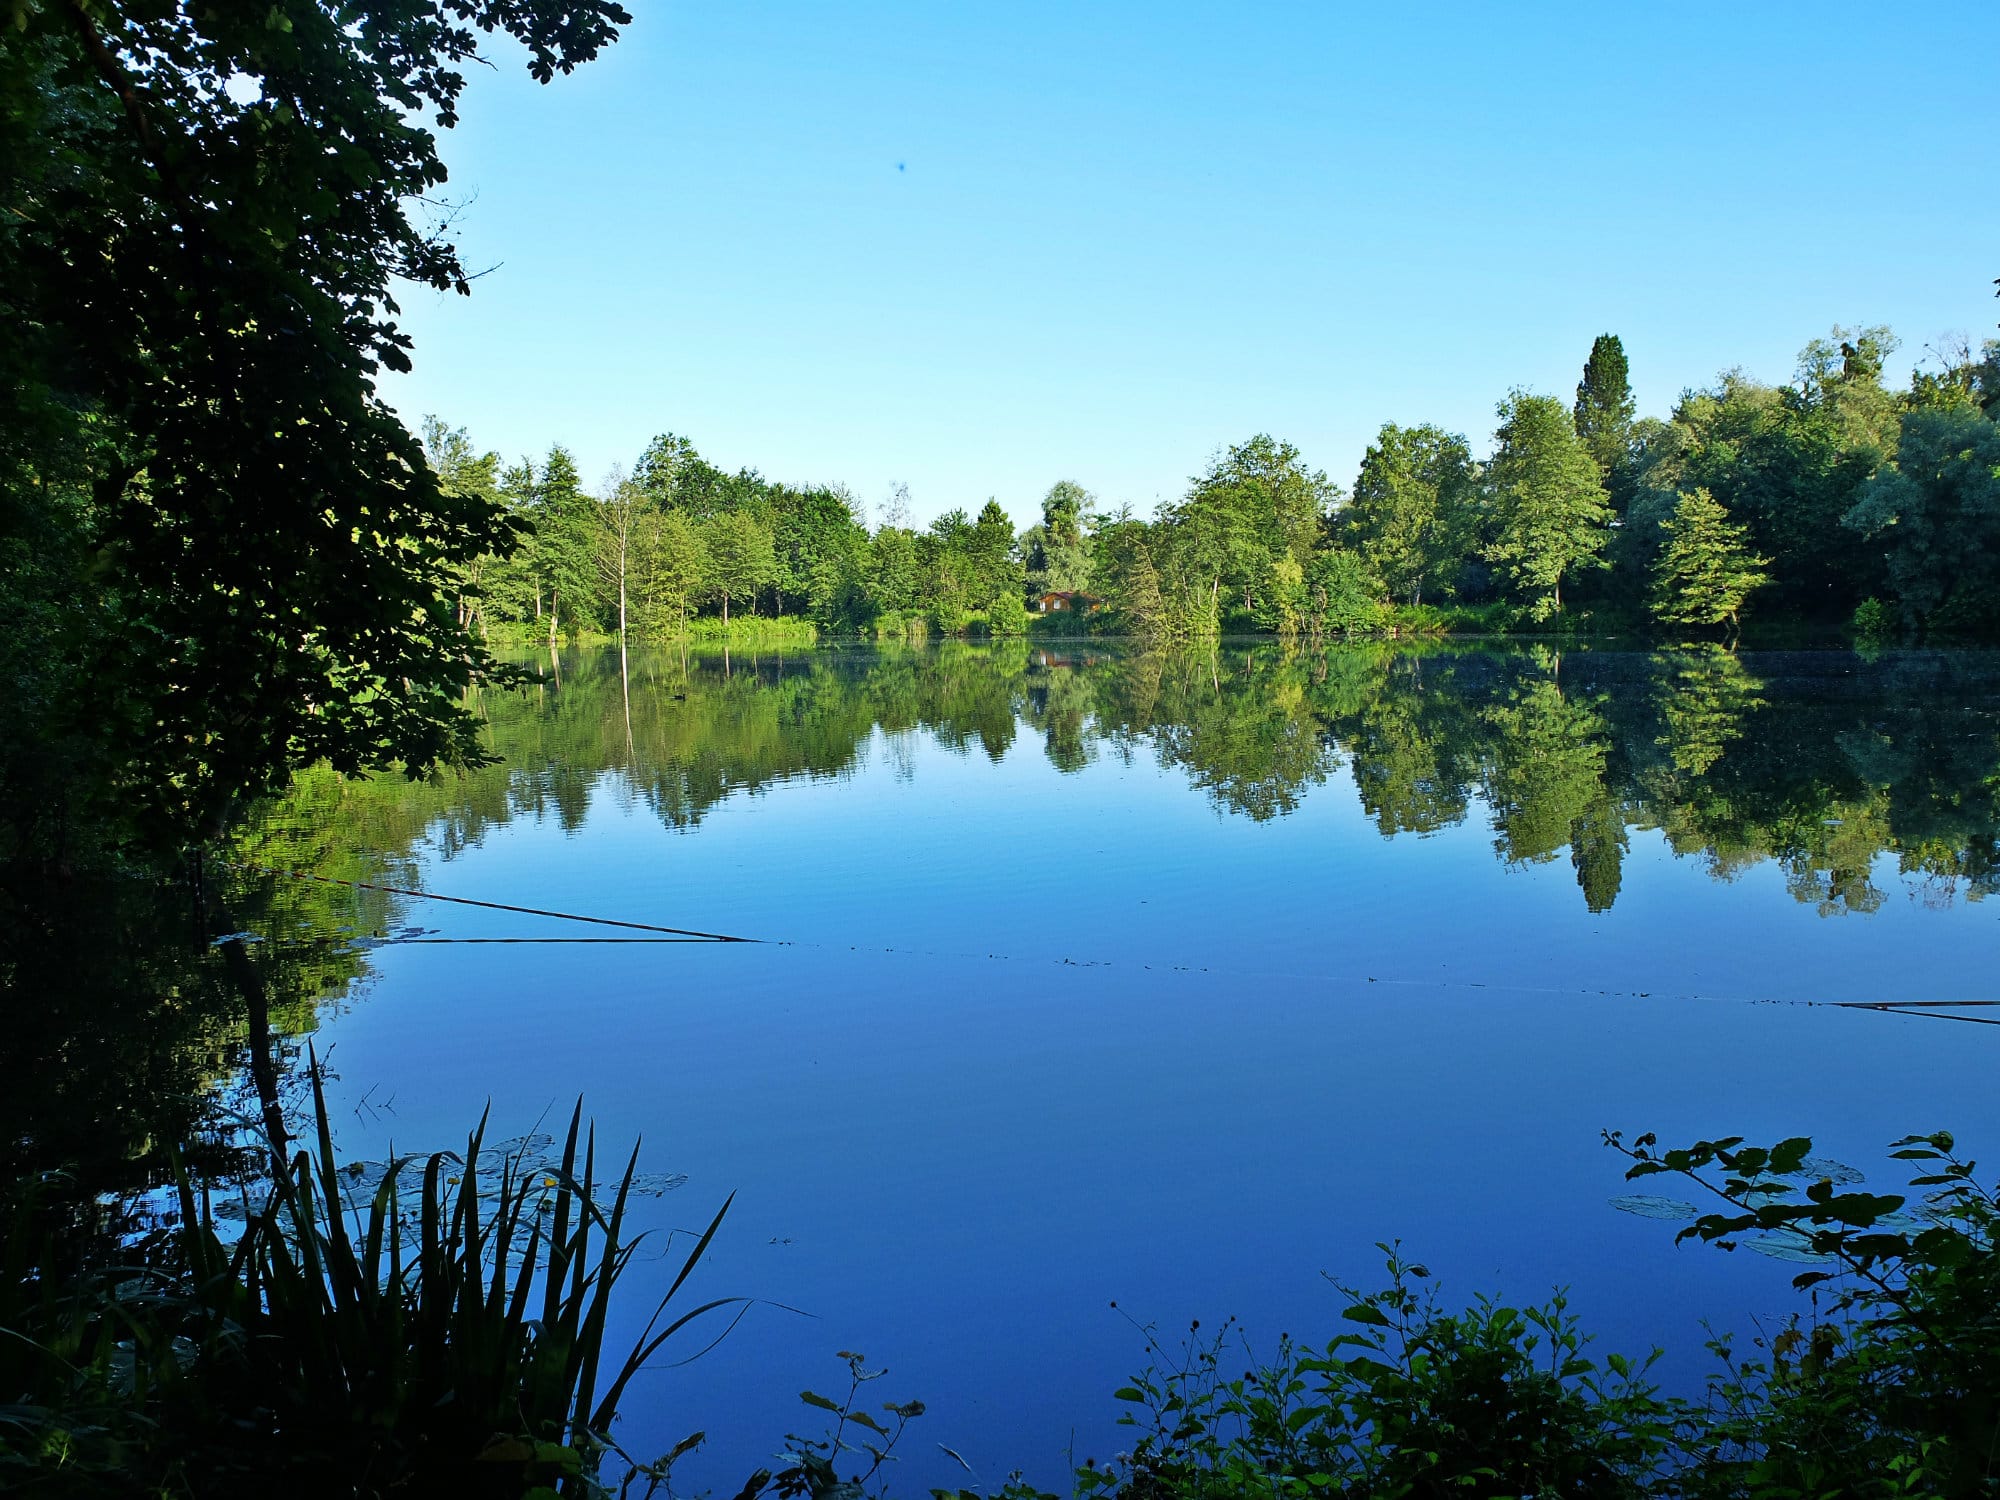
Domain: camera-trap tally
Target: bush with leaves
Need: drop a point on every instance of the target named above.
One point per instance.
(1411, 1401)
(1891, 1386)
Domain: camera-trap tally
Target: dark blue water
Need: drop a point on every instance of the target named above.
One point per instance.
(1088, 976)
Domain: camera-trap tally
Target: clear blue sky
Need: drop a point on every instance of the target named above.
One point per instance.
(978, 248)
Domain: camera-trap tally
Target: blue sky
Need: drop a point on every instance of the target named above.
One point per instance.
(978, 248)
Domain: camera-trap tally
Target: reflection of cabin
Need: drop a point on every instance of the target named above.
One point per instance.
(1073, 599)
(1053, 660)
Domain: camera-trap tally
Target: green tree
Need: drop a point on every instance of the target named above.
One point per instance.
(1255, 500)
(816, 536)
(1282, 603)
(1788, 463)
(1057, 553)
(1132, 579)
(1604, 406)
(673, 564)
(1706, 569)
(1342, 594)
(1409, 514)
(892, 570)
(995, 564)
(741, 559)
(1936, 511)
(563, 548)
(464, 473)
(1551, 515)
(191, 405)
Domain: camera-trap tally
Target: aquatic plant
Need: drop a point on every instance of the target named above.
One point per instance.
(446, 1341)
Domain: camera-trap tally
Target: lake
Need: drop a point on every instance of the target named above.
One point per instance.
(1085, 975)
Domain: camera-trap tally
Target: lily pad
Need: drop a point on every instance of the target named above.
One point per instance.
(1786, 1247)
(1826, 1169)
(1652, 1206)
(657, 1184)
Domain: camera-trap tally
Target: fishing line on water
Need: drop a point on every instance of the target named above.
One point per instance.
(529, 911)
(1936, 1010)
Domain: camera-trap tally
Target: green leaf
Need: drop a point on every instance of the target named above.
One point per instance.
(1788, 1154)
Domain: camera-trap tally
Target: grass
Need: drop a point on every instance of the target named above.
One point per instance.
(444, 1337)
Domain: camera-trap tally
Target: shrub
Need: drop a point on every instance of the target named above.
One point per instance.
(1412, 1401)
(1874, 622)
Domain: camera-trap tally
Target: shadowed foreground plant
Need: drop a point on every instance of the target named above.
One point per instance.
(1891, 1386)
(445, 1342)
(1414, 1401)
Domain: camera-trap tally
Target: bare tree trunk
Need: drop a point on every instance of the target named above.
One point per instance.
(621, 592)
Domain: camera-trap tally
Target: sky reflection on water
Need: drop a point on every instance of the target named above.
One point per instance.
(1094, 977)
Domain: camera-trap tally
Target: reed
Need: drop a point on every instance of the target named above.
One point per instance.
(446, 1336)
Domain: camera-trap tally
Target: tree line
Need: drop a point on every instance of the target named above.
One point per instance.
(676, 539)
(1831, 498)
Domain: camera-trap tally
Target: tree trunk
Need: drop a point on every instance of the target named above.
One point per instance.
(725, 614)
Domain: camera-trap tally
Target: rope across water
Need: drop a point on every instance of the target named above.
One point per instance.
(1936, 1010)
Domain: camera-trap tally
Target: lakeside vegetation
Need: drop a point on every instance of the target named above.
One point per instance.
(323, 1355)
(1831, 500)
(230, 572)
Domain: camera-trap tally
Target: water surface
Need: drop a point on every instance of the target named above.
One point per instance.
(1087, 975)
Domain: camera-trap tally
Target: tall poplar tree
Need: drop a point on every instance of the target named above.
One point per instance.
(1551, 514)
(1604, 405)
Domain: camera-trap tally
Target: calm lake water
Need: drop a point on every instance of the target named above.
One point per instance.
(1085, 975)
